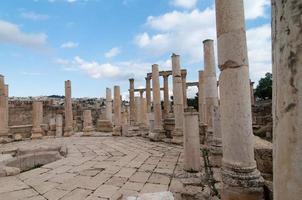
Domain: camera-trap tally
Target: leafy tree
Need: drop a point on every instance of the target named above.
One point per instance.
(264, 88)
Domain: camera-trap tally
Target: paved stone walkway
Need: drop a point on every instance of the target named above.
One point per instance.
(98, 168)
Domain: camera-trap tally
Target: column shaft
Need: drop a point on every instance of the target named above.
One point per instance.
(132, 103)
(287, 99)
(117, 111)
(201, 97)
(108, 104)
(4, 131)
(68, 130)
(184, 89)
(156, 98)
(87, 124)
(241, 179)
(166, 95)
(148, 94)
(37, 115)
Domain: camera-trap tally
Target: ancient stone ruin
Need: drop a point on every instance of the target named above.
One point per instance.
(111, 148)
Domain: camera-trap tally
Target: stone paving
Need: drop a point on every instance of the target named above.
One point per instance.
(99, 168)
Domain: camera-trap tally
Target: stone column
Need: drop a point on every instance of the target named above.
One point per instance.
(37, 115)
(87, 123)
(215, 155)
(191, 143)
(68, 130)
(108, 104)
(4, 130)
(148, 93)
(132, 103)
(156, 134)
(241, 179)
(117, 130)
(201, 106)
(252, 93)
(166, 95)
(287, 99)
(211, 91)
(178, 107)
(138, 109)
(59, 125)
(184, 88)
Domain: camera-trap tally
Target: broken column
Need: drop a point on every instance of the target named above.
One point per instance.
(37, 115)
(132, 103)
(241, 179)
(287, 99)
(157, 133)
(105, 125)
(177, 134)
(59, 125)
(191, 143)
(211, 91)
(184, 88)
(4, 130)
(166, 95)
(87, 123)
(201, 106)
(117, 130)
(68, 130)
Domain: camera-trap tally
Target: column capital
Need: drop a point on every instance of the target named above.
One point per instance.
(131, 79)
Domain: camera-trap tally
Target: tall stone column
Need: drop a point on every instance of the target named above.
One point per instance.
(37, 115)
(4, 130)
(287, 99)
(117, 130)
(59, 125)
(156, 134)
(87, 123)
(241, 179)
(132, 103)
(201, 106)
(252, 93)
(108, 104)
(166, 95)
(191, 143)
(148, 93)
(68, 130)
(138, 109)
(178, 106)
(184, 88)
(211, 91)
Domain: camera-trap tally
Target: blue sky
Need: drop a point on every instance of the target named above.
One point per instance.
(101, 43)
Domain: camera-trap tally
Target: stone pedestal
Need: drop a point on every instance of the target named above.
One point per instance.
(37, 115)
(287, 99)
(215, 156)
(104, 125)
(191, 143)
(87, 123)
(241, 179)
(178, 101)
(157, 133)
(68, 130)
(117, 129)
(52, 127)
(4, 130)
(59, 125)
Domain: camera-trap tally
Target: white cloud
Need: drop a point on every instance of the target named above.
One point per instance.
(113, 52)
(11, 33)
(34, 16)
(184, 3)
(256, 8)
(69, 45)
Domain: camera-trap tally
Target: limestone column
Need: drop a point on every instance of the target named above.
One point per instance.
(37, 115)
(87, 123)
(241, 179)
(148, 93)
(138, 109)
(211, 91)
(252, 93)
(117, 130)
(184, 88)
(166, 95)
(68, 130)
(132, 103)
(287, 99)
(201, 106)
(157, 133)
(178, 106)
(6, 91)
(4, 130)
(108, 104)
(191, 143)
(59, 125)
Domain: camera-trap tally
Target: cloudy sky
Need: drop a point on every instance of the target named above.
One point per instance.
(101, 43)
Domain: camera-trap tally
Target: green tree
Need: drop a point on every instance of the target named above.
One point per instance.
(264, 88)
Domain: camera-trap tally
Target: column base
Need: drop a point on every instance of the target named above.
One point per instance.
(87, 131)
(209, 137)
(241, 183)
(36, 134)
(156, 135)
(68, 131)
(215, 156)
(177, 137)
(144, 131)
(117, 131)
